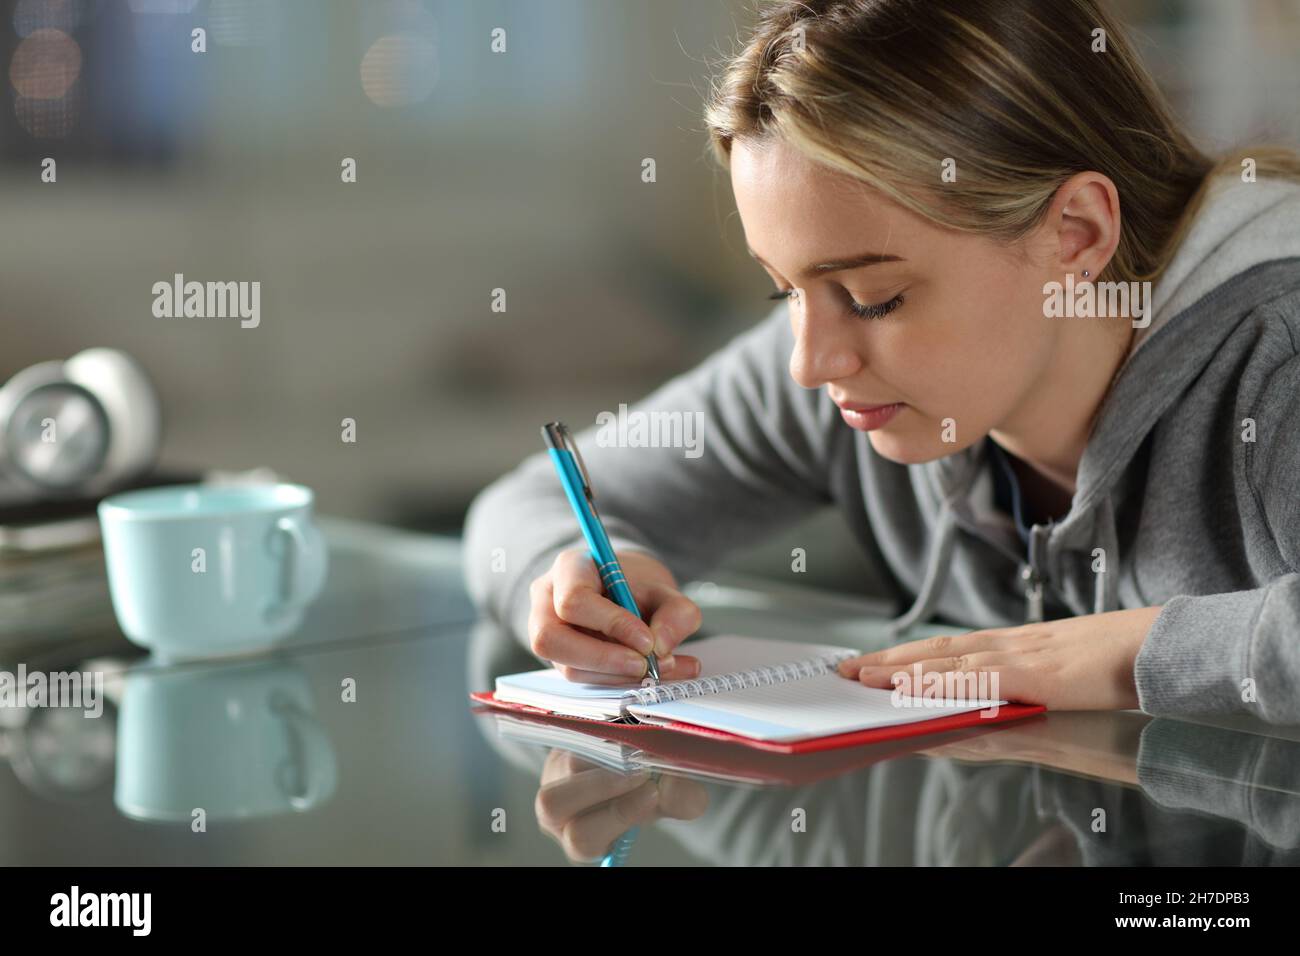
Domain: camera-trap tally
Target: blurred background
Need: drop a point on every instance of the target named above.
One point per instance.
(475, 171)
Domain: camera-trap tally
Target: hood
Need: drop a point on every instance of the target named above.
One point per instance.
(1239, 226)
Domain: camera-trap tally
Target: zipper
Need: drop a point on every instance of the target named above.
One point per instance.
(1032, 574)
(1033, 585)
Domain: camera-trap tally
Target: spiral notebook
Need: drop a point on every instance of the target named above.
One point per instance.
(778, 695)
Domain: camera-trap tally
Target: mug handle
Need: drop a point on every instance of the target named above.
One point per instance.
(316, 754)
(304, 557)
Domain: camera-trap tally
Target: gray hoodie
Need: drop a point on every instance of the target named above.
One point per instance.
(1189, 513)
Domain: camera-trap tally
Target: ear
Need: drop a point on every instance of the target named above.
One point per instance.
(1084, 219)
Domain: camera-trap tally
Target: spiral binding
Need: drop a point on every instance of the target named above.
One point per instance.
(737, 680)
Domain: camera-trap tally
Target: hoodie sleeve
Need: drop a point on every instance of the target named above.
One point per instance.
(1240, 652)
(758, 462)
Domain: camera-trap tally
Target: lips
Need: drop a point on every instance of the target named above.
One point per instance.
(861, 407)
(864, 417)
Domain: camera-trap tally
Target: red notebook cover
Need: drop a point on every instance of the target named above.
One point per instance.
(854, 738)
(689, 753)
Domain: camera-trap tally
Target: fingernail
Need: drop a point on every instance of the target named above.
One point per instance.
(690, 668)
(634, 664)
(644, 640)
(644, 798)
(648, 795)
(663, 647)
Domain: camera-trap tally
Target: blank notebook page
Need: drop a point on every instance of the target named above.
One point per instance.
(799, 709)
(725, 653)
(728, 653)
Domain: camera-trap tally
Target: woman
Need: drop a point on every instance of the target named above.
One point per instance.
(1038, 349)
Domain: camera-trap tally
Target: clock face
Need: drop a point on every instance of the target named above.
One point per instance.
(63, 751)
(57, 436)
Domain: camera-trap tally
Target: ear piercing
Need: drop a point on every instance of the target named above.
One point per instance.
(1086, 273)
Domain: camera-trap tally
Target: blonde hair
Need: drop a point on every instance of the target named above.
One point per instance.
(886, 90)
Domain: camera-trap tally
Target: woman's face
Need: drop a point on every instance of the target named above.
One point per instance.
(958, 335)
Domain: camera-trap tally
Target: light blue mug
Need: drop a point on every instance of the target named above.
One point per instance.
(202, 571)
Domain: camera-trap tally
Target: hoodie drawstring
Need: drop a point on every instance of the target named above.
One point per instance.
(939, 560)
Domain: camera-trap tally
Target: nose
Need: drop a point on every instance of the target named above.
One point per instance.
(824, 346)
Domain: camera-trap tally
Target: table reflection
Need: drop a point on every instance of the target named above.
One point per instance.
(1087, 788)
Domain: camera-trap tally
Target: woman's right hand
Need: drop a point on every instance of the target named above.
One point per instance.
(592, 640)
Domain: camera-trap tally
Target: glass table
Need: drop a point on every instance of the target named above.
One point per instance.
(355, 743)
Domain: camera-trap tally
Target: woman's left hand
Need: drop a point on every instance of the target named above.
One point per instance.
(1076, 663)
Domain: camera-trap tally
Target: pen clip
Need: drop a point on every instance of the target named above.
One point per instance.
(559, 435)
(572, 445)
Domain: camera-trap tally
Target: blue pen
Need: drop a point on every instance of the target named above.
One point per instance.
(617, 855)
(577, 486)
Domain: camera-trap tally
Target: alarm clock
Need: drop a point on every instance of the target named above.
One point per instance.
(76, 428)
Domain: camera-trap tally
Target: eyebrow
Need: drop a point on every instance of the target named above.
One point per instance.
(838, 265)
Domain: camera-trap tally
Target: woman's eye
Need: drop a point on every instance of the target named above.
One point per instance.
(877, 310)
